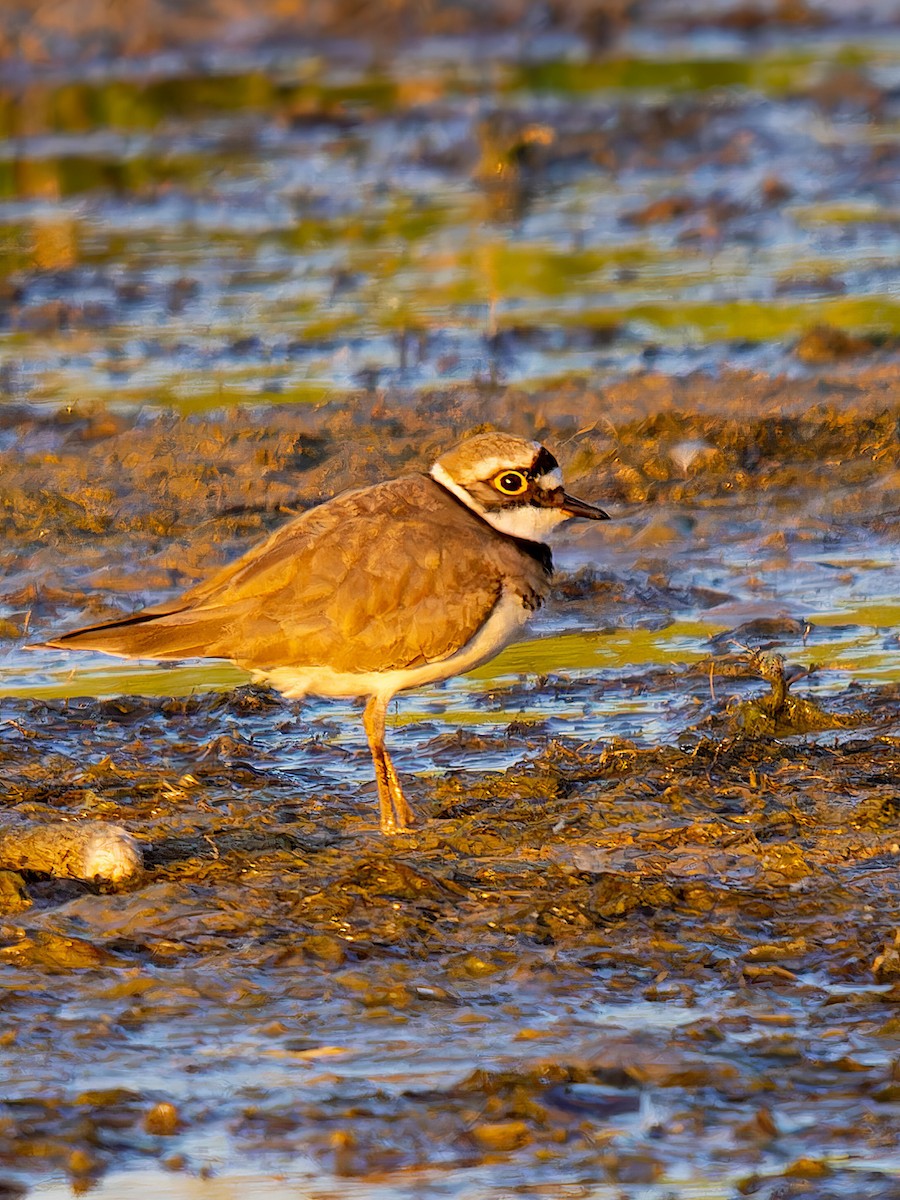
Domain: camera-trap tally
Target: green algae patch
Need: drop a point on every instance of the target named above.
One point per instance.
(78, 174)
(761, 322)
(139, 105)
(133, 680)
(607, 649)
(769, 75)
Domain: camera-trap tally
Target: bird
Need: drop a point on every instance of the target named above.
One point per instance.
(376, 591)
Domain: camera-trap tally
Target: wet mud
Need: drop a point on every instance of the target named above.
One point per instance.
(628, 966)
(644, 941)
(653, 963)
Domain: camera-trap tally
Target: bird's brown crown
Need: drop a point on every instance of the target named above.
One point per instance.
(480, 457)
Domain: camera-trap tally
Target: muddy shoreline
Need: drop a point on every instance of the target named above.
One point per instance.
(743, 887)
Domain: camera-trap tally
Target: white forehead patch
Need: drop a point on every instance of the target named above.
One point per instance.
(550, 481)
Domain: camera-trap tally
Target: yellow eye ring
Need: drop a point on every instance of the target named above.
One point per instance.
(511, 483)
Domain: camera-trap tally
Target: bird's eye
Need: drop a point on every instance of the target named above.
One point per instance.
(511, 483)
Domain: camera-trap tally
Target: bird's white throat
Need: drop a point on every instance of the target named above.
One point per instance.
(527, 521)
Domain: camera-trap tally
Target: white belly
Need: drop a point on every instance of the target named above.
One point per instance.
(502, 627)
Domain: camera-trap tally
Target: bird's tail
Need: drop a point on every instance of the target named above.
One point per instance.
(153, 633)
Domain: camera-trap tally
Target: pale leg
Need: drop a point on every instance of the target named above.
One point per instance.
(396, 815)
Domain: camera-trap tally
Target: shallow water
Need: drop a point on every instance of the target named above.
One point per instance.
(290, 227)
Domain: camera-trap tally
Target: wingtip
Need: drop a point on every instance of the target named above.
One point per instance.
(50, 644)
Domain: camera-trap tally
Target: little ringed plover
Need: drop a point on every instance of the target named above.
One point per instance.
(381, 589)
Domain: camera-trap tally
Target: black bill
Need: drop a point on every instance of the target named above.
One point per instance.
(580, 508)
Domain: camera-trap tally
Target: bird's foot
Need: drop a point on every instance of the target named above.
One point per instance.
(396, 814)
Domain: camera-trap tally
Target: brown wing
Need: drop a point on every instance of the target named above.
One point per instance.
(383, 578)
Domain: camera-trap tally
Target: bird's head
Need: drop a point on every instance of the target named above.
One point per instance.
(514, 484)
